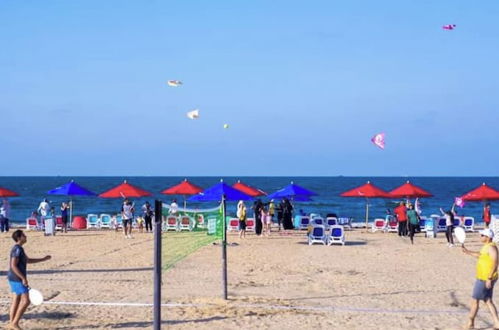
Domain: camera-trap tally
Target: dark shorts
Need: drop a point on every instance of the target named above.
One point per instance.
(65, 219)
(242, 225)
(127, 222)
(480, 292)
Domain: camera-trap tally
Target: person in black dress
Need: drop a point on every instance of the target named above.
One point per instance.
(257, 208)
(287, 211)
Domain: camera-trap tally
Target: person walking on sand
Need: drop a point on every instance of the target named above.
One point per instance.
(486, 215)
(401, 214)
(127, 214)
(486, 277)
(287, 213)
(241, 215)
(18, 278)
(64, 216)
(44, 209)
(449, 224)
(147, 212)
(413, 218)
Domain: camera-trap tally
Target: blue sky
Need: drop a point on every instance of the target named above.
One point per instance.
(303, 86)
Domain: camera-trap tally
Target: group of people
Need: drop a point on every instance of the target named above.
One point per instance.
(264, 216)
(128, 216)
(408, 219)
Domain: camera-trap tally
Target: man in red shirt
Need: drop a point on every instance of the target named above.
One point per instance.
(401, 213)
(486, 216)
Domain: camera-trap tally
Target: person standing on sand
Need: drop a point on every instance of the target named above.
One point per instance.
(147, 212)
(64, 216)
(449, 224)
(287, 212)
(486, 277)
(401, 214)
(44, 209)
(279, 214)
(127, 214)
(413, 218)
(174, 208)
(241, 215)
(486, 215)
(271, 210)
(257, 208)
(18, 278)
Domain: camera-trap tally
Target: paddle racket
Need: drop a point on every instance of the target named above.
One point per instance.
(35, 297)
(460, 235)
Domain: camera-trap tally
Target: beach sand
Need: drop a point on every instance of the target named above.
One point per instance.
(376, 281)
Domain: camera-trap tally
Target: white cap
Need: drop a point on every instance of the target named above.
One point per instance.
(487, 232)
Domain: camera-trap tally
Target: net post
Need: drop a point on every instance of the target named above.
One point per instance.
(158, 207)
(224, 250)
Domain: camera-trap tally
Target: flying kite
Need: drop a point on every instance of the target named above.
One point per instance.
(194, 114)
(379, 140)
(449, 27)
(459, 202)
(174, 83)
(226, 126)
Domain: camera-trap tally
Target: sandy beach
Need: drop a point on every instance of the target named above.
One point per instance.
(376, 281)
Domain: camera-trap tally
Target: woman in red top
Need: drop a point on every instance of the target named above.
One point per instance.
(401, 213)
(486, 216)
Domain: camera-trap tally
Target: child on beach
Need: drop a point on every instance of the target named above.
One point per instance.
(18, 280)
(449, 223)
(241, 214)
(266, 221)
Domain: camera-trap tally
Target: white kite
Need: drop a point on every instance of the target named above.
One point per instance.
(379, 140)
(194, 114)
(174, 83)
(226, 126)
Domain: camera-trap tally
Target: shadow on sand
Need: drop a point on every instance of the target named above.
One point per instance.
(144, 324)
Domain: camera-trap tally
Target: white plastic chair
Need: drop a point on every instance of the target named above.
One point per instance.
(32, 224)
(105, 220)
(171, 223)
(469, 224)
(185, 223)
(336, 235)
(93, 221)
(392, 224)
(379, 224)
(200, 221)
(233, 224)
(304, 222)
(331, 221)
(250, 224)
(317, 235)
(345, 222)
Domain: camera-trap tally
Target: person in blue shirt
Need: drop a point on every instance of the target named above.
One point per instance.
(18, 278)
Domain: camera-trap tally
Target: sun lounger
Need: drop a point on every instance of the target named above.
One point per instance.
(58, 223)
(171, 223)
(186, 223)
(457, 221)
(441, 224)
(379, 224)
(32, 224)
(392, 224)
(304, 223)
(200, 221)
(345, 222)
(250, 224)
(331, 221)
(93, 221)
(336, 235)
(105, 220)
(118, 221)
(317, 221)
(317, 235)
(233, 224)
(430, 228)
(468, 224)
(422, 223)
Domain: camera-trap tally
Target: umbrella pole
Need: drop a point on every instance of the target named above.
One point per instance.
(367, 212)
(224, 250)
(185, 203)
(70, 212)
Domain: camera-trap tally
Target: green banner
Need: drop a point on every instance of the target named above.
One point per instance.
(209, 220)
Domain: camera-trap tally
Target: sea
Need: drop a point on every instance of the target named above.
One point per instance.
(33, 190)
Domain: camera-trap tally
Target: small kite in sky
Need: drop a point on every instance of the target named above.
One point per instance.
(226, 126)
(194, 114)
(459, 202)
(449, 27)
(379, 140)
(174, 83)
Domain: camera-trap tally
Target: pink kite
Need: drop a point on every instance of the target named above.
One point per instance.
(459, 202)
(379, 140)
(449, 27)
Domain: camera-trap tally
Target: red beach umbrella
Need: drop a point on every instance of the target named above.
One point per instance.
(409, 190)
(7, 193)
(183, 188)
(125, 190)
(248, 190)
(367, 191)
(482, 193)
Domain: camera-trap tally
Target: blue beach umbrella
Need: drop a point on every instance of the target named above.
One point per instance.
(71, 189)
(292, 191)
(222, 192)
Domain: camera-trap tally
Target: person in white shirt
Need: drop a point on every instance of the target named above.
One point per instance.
(44, 208)
(127, 212)
(174, 207)
(4, 216)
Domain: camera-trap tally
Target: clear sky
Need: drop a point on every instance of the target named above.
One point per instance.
(304, 85)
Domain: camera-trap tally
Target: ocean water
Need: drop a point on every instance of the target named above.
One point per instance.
(33, 189)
